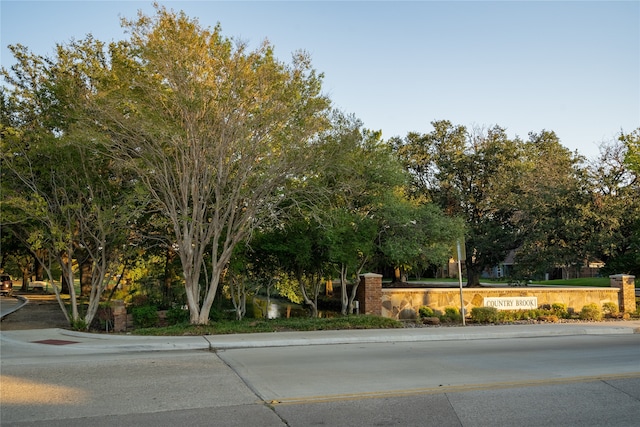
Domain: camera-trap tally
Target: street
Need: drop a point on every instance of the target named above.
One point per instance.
(8, 304)
(572, 380)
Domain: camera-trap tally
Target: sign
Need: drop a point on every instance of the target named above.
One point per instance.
(459, 251)
(511, 303)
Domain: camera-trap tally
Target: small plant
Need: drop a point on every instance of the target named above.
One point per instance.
(145, 316)
(560, 310)
(425, 311)
(551, 318)
(591, 312)
(485, 314)
(610, 309)
(451, 315)
(79, 325)
(177, 315)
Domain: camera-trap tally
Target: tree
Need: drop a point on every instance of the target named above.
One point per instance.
(413, 235)
(63, 196)
(553, 212)
(214, 132)
(632, 144)
(470, 176)
(614, 214)
(298, 248)
(357, 174)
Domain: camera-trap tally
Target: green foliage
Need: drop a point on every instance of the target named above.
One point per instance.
(176, 315)
(145, 316)
(591, 312)
(610, 308)
(560, 309)
(79, 325)
(586, 281)
(425, 311)
(484, 314)
(276, 325)
(632, 144)
(222, 312)
(451, 315)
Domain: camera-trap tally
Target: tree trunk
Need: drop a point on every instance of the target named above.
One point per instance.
(25, 278)
(344, 297)
(473, 274)
(85, 277)
(38, 268)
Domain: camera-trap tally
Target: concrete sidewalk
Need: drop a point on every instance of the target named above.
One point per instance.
(119, 343)
(32, 339)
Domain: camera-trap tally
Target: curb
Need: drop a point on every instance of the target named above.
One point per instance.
(24, 300)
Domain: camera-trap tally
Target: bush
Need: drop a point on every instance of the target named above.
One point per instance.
(451, 315)
(560, 310)
(145, 316)
(610, 309)
(425, 311)
(177, 315)
(484, 314)
(591, 312)
(552, 318)
(79, 325)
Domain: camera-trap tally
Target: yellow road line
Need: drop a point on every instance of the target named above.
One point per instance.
(447, 389)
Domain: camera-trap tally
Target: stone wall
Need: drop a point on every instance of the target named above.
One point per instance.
(404, 303)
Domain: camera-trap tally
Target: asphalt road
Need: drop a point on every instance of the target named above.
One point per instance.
(556, 381)
(39, 312)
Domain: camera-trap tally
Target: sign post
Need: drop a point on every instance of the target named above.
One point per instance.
(459, 253)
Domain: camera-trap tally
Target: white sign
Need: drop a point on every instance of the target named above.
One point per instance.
(512, 303)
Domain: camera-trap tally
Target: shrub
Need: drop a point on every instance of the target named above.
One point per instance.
(552, 318)
(610, 308)
(591, 312)
(145, 316)
(79, 325)
(177, 315)
(451, 315)
(425, 311)
(560, 310)
(217, 314)
(484, 314)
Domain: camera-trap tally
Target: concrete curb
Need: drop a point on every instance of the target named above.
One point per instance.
(388, 336)
(24, 300)
(112, 343)
(137, 342)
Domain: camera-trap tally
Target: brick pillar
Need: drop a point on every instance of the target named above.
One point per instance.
(119, 316)
(627, 294)
(369, 294)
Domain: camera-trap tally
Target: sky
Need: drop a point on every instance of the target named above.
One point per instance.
(572, 67)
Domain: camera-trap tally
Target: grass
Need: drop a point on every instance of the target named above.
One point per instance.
(273, 325)
(588, 281)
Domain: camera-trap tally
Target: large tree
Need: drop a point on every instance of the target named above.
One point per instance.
(614, 214)
(631, 142)
(553, 208)
(470, 175)
(213, 130)
(65, 200)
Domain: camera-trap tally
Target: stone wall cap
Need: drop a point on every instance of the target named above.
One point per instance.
(371, 275)
(620, 276)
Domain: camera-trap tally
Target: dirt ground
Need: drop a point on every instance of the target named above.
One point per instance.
(41, 312)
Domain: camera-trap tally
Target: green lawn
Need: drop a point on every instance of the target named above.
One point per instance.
(275, 325)
(589, 281)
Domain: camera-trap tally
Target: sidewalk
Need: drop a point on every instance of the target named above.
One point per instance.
(112, 343)
(73, 341)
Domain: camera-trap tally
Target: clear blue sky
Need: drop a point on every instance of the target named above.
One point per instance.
(572, 67)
